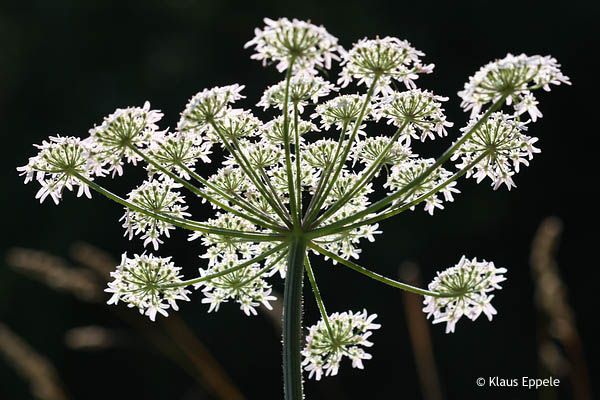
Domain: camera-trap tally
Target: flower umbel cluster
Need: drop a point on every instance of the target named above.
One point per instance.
(342, 335)
(464, 290)
(148, 283)
(303, 183)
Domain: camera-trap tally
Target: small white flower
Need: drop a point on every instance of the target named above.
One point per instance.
(245, 286)
(388, 58)
(235, 124)
(274, 129)
(528, 104)
(177, 152)
(143, 282)
(512, 76)
(342, 110)
(302, 90)
(326, 347)
(504, 146)
(120, 132)
(405, 172)
(57, 165)
(372, 148)
(206, 107)
(464, 290)
(157, 197)
(311, 46)
(418, 109)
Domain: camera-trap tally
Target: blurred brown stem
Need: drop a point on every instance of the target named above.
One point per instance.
(420, 337)
(551, 300)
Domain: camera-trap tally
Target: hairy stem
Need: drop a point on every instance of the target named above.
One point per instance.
(292, 321)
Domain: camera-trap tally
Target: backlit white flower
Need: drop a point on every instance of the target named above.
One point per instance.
(346, 335)
(143, 282)
(121, 133)
(513, 77)
(57, 165)
(177, 152)
(281, 40)
(464, 290)
(404, 173)
(302, 90)
(503, 147)
(245, 286)
(206, 107)
(417, 108)
(342, 110)
(388, 58)
(159, 198)
(235, 124)
(528, 104)
(274, 130)
(373, 148)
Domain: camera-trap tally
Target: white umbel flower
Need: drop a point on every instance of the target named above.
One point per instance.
(326, 347)
(274, 130)
(464, 290)
(513, 77)
(302, 90)
(177, 152)
(56, 164)
(121, 132)
(405, 172)
(389, 58)
(342, 110)
(206, 107)
(245, 286)
(160, 198)
(506, 148)
(420, 109)
(311, 46)
(143, 282)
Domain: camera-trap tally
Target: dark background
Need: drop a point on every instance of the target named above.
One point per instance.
(64, 65)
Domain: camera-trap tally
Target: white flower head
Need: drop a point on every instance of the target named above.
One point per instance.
(158, 197)
(513, 77)
(303, 89)
(274, 130)
(121, 133)
(404, 173)
(58, 164)
(245, 286)
(389, 59)
(342, 110)
(420, 109)
(177, 152)
(206, 107)
(346, 335)
(503, 147)
(374, 148)
(464, 290)
(148, 283)
(281, 40)
(235, 124)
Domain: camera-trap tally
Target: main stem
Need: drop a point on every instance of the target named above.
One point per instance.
(292, 321)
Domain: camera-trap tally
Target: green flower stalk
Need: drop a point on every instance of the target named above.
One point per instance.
(300, 185)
